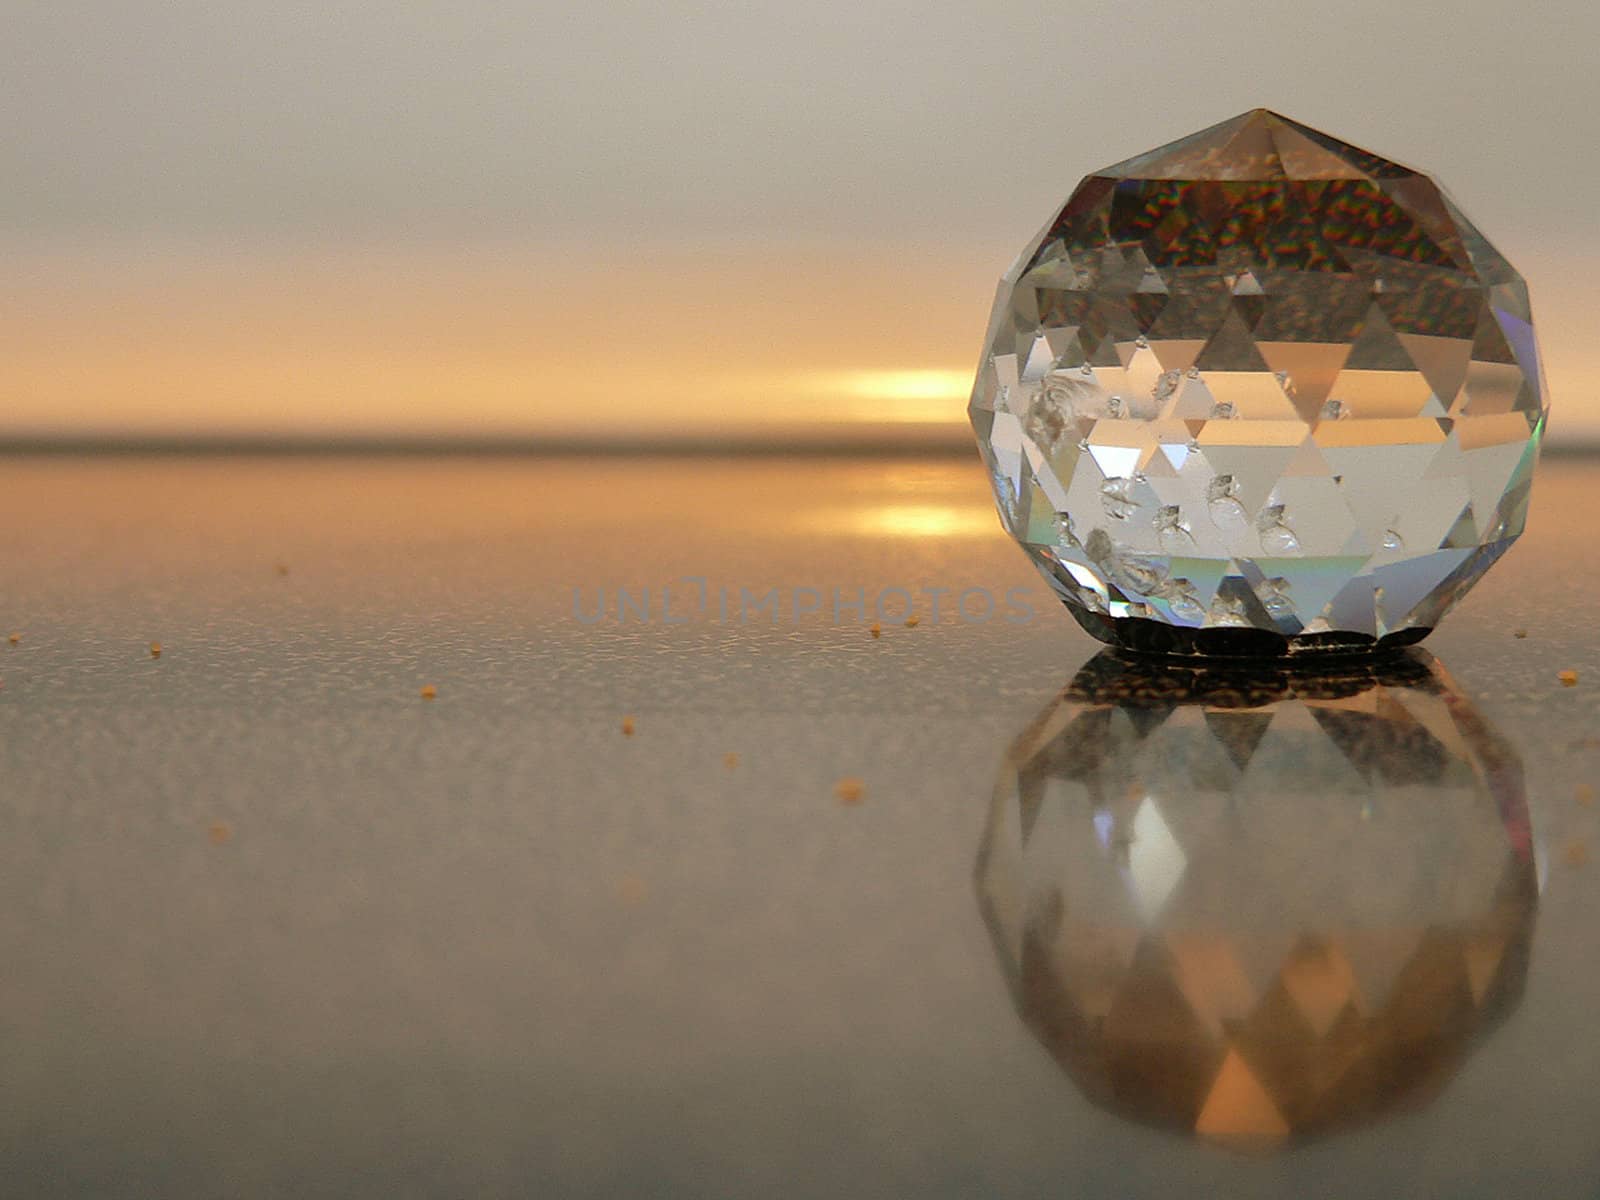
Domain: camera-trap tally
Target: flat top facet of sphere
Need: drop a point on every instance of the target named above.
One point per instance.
(1257, 145)
(1260, 190)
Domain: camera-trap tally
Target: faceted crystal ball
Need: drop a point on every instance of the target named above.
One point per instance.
(1256, 909)
(1257, 392)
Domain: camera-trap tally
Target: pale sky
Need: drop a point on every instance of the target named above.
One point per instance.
(265, 216)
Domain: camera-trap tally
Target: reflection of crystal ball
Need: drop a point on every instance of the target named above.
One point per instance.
(1259, 908)
(1260, 390)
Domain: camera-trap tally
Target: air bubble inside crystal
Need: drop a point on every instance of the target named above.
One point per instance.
(1279, 540)
(1115, 498)
(1276, 536)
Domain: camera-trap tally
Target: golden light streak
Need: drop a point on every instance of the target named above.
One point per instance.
(526, 341)
(908, 521)
(902, 384)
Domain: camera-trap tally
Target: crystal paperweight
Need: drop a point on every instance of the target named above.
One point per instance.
(1260, 392)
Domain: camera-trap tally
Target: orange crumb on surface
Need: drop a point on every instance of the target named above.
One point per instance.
(1569, 678)
(876, 630)
(281, 568)
(155, 649)
(1584, 794)
(429, 691)
(219, 833)
(913, 621)
(627, 726)
(1576, 853)
(14, 638)
(632, 890)
(849, 790)
(1520, 633)
(730, 760)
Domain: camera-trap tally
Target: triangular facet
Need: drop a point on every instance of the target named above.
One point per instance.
(1311, 368)
(1489, 344)
(1376, 347)
(1308, 461)
(1442, 361)
(1422, 201)
(1209, 975)
(1252, 151)
(1040, 360)
(1464, 533)
(1238, 1109)
(1231, 348)
(1483, 955)
(1201, 155)
(1376, 958)
(1321, 984)
(1302, 158)
(1245, 284)
(1239, 733)
(1256, 145)
(1372, 165)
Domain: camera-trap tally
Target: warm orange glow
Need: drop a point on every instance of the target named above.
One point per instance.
(908, 521)
(905, 394)
(530, 341)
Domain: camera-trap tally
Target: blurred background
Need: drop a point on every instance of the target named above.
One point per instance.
(633, 224)
(342, 855)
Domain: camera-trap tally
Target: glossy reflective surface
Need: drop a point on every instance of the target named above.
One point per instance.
(1259, 905)
(273, 924)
